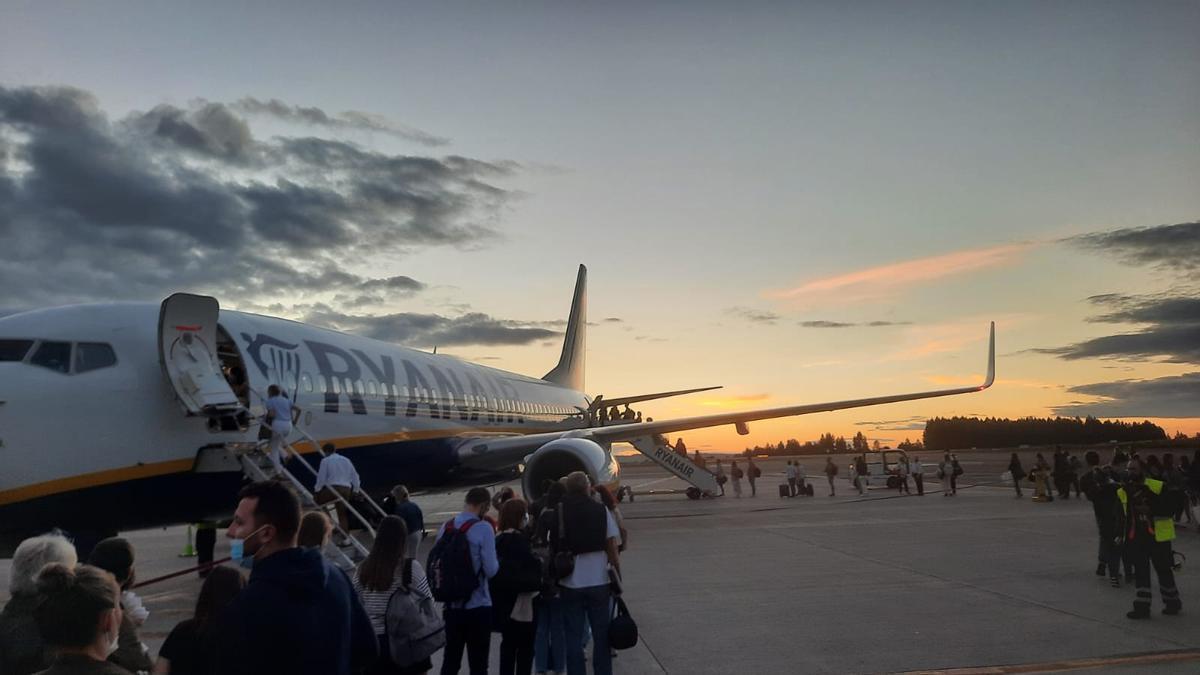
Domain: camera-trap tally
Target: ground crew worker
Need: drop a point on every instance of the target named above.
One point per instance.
(1148, 530)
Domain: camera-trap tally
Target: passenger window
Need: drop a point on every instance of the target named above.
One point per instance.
(14, 350)
(321, 384)
(93, 356)
(306, 382)
(371, 388)
(337, 385)
(53, 355)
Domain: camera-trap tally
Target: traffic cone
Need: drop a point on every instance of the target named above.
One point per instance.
(189, 551)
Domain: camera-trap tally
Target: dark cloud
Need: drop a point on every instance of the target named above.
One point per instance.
(839, 324)
(428, 330)
(613, 319)
(345, 120)
(916, 423)
(1176, 396)
(189, 199)
(1173, 333)
(1170, 247)
(753, 315)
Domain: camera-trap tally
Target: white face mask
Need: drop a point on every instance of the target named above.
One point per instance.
(116, 640)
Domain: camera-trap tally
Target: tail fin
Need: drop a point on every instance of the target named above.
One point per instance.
(569, 371)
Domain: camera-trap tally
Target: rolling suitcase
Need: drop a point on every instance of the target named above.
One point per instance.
(808, 489)
(784, 492)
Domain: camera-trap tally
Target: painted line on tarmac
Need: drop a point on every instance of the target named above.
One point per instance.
(1147, 659)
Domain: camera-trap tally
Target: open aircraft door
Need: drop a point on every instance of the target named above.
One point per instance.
(187, 350)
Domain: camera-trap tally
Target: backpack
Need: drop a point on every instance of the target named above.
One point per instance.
(737, 472)
(412, 625)
(452, 575)
(755, 472)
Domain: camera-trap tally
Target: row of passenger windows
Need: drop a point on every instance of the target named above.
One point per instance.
(62, 357)
(381, 390)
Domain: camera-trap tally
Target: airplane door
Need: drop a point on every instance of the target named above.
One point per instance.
(187, 351)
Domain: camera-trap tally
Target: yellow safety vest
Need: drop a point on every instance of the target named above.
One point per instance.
(1164, 528)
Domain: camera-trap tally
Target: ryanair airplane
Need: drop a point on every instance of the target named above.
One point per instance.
(121, 416)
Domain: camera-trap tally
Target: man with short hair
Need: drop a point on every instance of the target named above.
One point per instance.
(298, 613)
(791, 479)
(592, 534)
(918, 474)
(336, 477)
(469, 624)
(281, 415)
(413, 519)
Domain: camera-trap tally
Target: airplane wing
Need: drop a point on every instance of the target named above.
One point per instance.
(513, 448)
(602, 402)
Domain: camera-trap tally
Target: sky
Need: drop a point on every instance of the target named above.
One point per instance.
(799, 201)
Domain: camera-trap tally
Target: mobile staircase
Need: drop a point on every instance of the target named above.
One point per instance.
(656, 447)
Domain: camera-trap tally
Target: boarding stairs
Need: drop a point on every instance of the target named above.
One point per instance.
(661, 453)
(346, 550)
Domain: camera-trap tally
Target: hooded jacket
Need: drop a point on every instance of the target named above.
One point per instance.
(298, 615)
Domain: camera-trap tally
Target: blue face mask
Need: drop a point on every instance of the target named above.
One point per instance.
(237, 547)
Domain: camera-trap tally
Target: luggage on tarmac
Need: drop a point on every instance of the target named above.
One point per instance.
(808, 489)
(784, 491)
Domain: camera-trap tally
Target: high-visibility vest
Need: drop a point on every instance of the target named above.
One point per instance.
(1164, 528)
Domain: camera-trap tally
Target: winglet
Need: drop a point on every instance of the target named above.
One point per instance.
(570, 368)
(991, 368)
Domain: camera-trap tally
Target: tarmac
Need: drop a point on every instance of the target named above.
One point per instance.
(981, 582)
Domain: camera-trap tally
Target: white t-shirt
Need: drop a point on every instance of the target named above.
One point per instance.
(591, 569)
(791, 472)
(282, 407)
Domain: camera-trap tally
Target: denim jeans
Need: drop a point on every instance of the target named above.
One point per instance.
(550, 642)
(589, 604)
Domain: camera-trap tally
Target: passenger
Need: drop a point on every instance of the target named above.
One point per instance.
(918, 474)
(281, 414)
(79, 616)
(1041, 480)
(698, 460)
(801, 478)
(387, 569)
(1149, 530)
(956, 471)
(336, 477)
(1101, 491)
(22, 650)
(315, 530)
(680, 447)
(610, 503)
(502, 495)
(189, 648)
(735, 472)
(414, 520)
(752, 474)
(721, 477)
(115, 556)
(1062, 473)
(946, 474)
(902, 471)
(549, 647)
(628, 414)
(790, 472)
(1017, 473)
(1074, 468)
(469, 623)
(298, 614)
(860, 474)
(513, 589)
(591, 533)
(831, 472)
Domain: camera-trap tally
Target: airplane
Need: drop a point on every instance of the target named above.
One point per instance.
(121, 416)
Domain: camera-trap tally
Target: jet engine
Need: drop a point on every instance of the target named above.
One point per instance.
(560, 457)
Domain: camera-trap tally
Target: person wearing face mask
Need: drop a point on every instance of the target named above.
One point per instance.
(1148, 529)
(80, 617)
(115, 556)
(298, 614)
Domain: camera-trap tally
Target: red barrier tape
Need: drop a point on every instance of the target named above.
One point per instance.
(198, 568)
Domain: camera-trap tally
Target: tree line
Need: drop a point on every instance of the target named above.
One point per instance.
(956, 433)
(826, 444)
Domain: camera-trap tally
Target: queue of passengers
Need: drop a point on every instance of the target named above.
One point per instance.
(542, 575)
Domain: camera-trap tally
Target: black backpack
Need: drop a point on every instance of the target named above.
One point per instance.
(452, 575)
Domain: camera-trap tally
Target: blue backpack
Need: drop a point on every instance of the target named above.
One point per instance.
(452, 575)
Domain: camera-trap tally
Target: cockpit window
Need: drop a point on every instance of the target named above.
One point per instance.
(53, 355)
(93, 356)
(14, 350)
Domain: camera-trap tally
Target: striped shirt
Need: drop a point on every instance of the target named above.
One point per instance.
(376, 602)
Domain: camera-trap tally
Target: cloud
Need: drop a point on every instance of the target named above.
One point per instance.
(915, 423)
(839, 324)
(1174, 396)
(189, 199)
(1173, 333)
(1171, 247)
(345, 120)
(875, 283)
(428, 330)
(753, 315)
